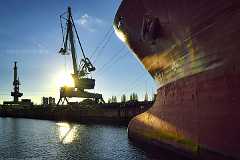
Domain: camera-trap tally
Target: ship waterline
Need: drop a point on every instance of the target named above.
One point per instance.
(191, 50)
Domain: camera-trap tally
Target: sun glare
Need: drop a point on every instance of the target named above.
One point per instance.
(64, 79)
(67, 133)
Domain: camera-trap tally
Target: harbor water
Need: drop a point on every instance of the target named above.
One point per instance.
(42, 139)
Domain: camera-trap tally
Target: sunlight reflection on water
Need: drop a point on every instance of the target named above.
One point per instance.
(66, 132)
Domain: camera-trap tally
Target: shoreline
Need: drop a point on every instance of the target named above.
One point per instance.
(115, 113)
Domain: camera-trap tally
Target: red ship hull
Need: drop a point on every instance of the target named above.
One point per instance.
(191, 48)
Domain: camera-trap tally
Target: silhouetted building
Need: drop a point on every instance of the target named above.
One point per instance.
(45, 101)
(51, 101)
(26, 102)
(48, 101)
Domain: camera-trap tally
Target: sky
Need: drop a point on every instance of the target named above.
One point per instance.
(30, 34)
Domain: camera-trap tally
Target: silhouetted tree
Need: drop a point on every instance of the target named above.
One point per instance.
(133, 97)
(136, 97)
(123, 98)
(146, 97)
(109, 100)
(114, 99)
(130, 97)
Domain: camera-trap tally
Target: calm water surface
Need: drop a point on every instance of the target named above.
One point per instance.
(40, 139)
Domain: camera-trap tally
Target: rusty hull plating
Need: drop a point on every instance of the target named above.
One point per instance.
(191, 48)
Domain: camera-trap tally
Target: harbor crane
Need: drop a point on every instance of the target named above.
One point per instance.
(16, 94)
(81, 72)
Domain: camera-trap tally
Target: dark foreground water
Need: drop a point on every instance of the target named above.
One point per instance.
(40, 139)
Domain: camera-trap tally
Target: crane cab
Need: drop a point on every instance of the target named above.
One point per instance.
(85, 83)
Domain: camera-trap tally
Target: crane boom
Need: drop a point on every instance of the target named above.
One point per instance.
(71, 38)
(70, 35)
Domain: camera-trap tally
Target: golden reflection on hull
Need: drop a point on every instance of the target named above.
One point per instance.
(181, 59)
(178, 62)
(161, 130)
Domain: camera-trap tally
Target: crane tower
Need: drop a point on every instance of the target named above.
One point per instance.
(16, 94)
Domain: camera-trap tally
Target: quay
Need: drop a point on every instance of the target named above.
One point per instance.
(95, 113)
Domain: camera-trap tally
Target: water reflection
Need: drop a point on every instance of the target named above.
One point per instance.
(37, 139)
(66, 132)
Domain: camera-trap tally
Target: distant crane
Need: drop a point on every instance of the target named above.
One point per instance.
(81, 81)
(16, 94)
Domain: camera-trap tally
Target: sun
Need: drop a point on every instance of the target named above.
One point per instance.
(64, 79)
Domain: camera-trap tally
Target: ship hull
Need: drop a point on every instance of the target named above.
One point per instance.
(198, 115)
(191, 49)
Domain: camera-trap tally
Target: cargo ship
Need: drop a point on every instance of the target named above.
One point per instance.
(191, 49)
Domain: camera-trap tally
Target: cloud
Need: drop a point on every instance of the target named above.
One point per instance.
(89, 23)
